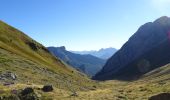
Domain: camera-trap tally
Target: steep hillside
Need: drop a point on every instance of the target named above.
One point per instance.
(105, 53)
(32, 63)
(88, 64)
(146, 50)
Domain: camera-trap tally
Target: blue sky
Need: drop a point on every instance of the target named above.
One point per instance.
(81, 24)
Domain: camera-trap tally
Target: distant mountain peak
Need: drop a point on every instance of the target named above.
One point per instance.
(62, 47)
(103, 53)
(163, 20)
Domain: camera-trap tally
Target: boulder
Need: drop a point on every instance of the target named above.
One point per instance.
(28, 94)
(27, 91)
(47, 88)
(162, 96)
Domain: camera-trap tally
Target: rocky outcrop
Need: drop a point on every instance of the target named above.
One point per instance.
(145, 50)
(8, 75)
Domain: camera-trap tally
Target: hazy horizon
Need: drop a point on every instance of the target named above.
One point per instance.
(82, 24)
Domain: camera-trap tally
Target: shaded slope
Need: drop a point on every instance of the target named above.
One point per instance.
(147, 48)
(152, 59)
(28, 58)
(86, 63)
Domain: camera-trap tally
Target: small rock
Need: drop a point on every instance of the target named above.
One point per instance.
(14, 91)
(47, 88)
(74, 94)
(13, 76)
(162, 96)
(39, 95)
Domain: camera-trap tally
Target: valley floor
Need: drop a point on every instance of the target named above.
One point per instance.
(152, 83)
(109, 90)
(116, 90)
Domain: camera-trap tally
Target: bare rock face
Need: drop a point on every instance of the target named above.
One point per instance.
(162, 96)
(138, 55)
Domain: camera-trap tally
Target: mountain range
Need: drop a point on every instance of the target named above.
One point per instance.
(140, 70)
(146, 50)
(87, 64)
(104, 53)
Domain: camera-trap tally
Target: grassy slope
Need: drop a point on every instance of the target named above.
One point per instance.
(36, 65)
(150, 84)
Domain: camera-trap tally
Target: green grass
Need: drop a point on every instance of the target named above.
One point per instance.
(109, 90)
(3, 60)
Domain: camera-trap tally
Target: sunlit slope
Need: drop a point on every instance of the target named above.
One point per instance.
(15, 41)
(32, 62)
(152, 83)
